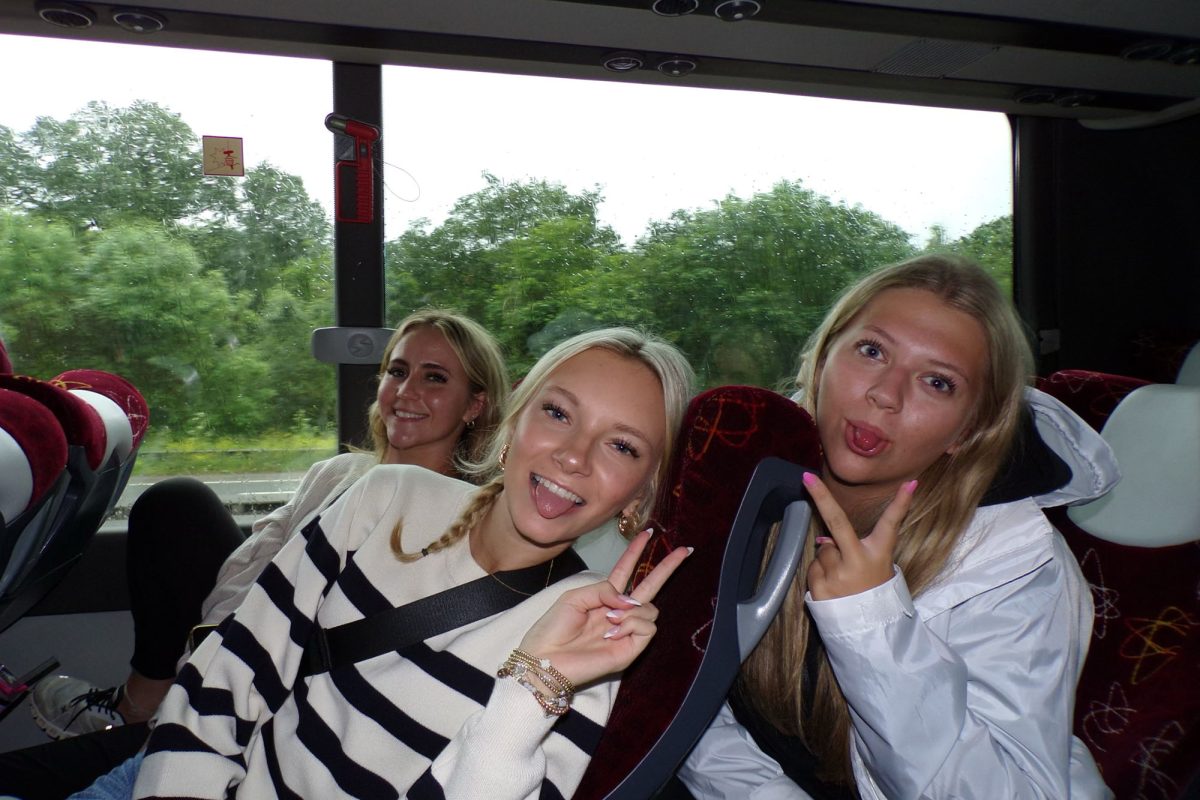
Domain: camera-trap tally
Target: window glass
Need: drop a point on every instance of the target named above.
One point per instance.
(724, 220)
(118, 253)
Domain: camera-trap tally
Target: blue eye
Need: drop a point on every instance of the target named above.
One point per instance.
(869, 348)
(554, 412)
(437, 377)
(941, 383)
(626, 448)
(398, 372)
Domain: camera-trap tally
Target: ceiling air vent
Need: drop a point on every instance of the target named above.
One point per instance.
(932, 58)
(66, 15)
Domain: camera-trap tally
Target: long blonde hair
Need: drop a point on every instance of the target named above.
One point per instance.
(663, 359)
(949, 491)
(483, 364)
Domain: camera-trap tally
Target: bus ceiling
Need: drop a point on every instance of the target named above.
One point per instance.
(1110, 64)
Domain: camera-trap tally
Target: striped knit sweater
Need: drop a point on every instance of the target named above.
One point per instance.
(436, 724)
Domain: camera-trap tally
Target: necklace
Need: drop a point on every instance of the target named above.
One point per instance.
(549, 569)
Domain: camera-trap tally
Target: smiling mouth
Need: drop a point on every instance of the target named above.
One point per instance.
(407, 415)
(557, 490)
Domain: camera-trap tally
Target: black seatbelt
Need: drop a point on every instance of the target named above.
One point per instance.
(398, 628)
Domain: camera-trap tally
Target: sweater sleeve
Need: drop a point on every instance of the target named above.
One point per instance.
(243, 672)
(989, 715)
(321, 485)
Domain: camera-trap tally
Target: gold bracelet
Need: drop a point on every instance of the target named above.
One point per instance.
(546, 669)
(518, 666)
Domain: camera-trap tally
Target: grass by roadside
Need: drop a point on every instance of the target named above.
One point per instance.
(193, 455)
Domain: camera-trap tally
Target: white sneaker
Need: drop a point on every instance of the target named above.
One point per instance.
(63, 706)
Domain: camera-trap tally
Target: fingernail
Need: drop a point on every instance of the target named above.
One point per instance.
(911, 486)
(614, 615)
(611, 632)
(691, 550)
(824, 540)
(809, 479)
(650, 531)
(630, 600)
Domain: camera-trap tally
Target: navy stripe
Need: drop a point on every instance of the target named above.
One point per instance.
(426, 788)
(241, 642)
(371, 703)
(580, 731)
(549, 791)
(212, 701)
(351, 777)
(169, 737)
(452, 671)
(281, 788)
(359, 590)
(282, 594)
(321, 553)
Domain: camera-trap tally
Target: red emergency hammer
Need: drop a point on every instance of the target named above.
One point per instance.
(354, 172)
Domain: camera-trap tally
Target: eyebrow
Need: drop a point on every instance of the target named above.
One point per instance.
(425, 364)
(945, 365)
(621, 426)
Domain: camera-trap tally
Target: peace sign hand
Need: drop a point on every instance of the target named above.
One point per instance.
(846, 565)
(595, 630)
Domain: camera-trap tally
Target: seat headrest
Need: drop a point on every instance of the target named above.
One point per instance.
(1155, 434)
(119, 404)
(1092, 395)
(1189, 371)
(80, 422)
(33, 452)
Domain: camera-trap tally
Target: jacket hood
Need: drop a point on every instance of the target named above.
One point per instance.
(1058, 459)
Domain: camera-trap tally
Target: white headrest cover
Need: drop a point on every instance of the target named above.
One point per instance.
(16, 477)
(1189, 372)
(116, 424)
(1155, 434)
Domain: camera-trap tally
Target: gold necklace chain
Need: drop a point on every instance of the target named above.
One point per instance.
(518, 591)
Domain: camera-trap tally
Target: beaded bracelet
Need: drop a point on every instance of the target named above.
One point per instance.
(520, 666)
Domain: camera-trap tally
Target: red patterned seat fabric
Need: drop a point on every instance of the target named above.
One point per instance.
(1137, 706)
(727, 431)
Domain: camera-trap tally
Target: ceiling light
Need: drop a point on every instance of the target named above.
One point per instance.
(1035, 96)
(66, 15)
(138, 21)
(1185, 54)
(736, 10)
(622, 61)
(674, 8)
(676, 66)
(1146, 51)
(1074, 99)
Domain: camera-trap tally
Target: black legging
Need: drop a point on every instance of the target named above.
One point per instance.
(179, 535)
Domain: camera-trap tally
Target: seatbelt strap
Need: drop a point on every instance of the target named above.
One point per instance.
(399, 628)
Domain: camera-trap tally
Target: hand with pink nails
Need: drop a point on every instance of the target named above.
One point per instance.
(596, 630)
(845, 564)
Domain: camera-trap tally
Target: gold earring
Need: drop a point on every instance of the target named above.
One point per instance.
(627, 525)
(470, 424)
(503, 456)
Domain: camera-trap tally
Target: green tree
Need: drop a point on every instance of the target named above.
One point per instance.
(739, 287)
(105, 164)
(991, 244)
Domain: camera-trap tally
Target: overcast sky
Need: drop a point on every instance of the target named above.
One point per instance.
(650, 149)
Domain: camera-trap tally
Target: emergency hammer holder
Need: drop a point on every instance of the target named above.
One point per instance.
(354, 172)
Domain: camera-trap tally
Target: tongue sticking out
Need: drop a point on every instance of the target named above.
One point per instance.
(866, 440)
(550, 505)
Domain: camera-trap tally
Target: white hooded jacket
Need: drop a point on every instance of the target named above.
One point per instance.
(966, 691)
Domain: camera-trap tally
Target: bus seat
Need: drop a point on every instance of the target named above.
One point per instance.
(1136, 706)
(1189, 372)
(668, 697)
(1091, 395)
(101, 436)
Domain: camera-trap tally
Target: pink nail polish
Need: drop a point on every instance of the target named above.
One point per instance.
(630, 600)
(911, 486)
(809, 479)
(614, 615)
(611, 632)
